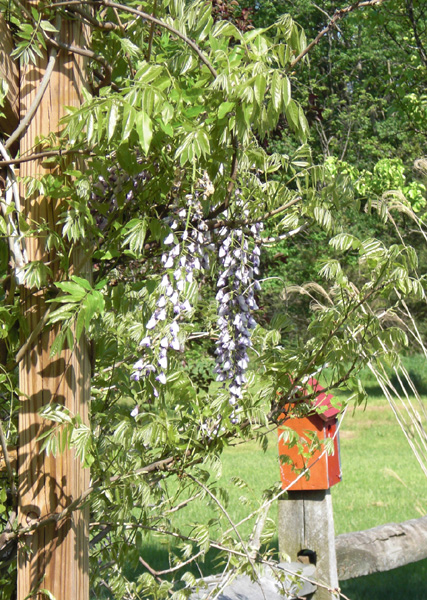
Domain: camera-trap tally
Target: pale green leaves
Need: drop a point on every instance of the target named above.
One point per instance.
(144, 128)
(78, 306)
(345, 241)
(135, 232)
(195, 145)
(69, 432)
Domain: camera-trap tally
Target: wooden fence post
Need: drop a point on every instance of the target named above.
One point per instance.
(54, 557)
(306, 523)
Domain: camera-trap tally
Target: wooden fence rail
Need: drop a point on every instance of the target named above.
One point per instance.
(381, 549)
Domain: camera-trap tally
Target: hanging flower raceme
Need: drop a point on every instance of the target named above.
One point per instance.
(105, 192)
(185, 255)
(236, 302)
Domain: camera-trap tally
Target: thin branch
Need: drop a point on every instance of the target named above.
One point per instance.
(46, 154)
(6, 456)
(236, 531)
(34, 334)
(151, 19)
(35, 104)
(421, 50)
(262, 219)
(285, 236)
(338, 15)
(77, 50)
(107, 26)
(151, 34)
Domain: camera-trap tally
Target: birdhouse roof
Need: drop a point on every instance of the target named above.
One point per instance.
(322, 400)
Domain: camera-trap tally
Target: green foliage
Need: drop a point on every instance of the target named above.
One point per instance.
(196, 117)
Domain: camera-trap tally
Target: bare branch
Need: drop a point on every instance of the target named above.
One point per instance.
(35, 104)
(41, 155)
(338, 15)
(151, 19)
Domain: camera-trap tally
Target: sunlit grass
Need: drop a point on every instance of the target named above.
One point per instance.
(382, 483)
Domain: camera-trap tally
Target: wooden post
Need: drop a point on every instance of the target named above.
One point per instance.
(306, 523)
(54, 557)
(9, 73)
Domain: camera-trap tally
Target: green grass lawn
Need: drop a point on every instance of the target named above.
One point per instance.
(382, 483)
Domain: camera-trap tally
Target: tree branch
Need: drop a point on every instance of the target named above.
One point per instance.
(338, 15)
(46, 154)
(35, 104)
(151, 19)
(421, 50)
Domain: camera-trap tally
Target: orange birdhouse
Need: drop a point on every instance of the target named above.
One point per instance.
(325, 469)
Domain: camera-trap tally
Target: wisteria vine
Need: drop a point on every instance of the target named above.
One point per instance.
(185, 255)
(189, 243)
(236, 300)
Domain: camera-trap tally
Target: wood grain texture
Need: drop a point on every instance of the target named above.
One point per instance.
(306, 522)
(55, 557)
(381, 548)
(10, 73)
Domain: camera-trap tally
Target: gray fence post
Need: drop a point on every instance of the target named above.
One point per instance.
(306, 523)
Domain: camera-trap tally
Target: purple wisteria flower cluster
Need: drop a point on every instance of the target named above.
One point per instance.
(236, 301)
(186, 253)
(106, 190)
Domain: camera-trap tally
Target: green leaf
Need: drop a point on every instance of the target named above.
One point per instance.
(36, 274)
(75, 290)
(225, 108)
(112, 118)
(80, 323)
(286, 91)
(93, 304)
(344, 241)
(57, 344)
(47, 26)
(84, 283)
(129, 117)
(136, 232)
(292, 114)
(144, 127)
(260, 85)
(276, 91)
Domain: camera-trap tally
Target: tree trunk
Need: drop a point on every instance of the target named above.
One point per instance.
(53, 557)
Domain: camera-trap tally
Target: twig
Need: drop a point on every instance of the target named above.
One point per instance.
(34, 334)
(338, 15)
(149, 569)
(285, 236)
(9, 470)
(82, 51)
(243, 222)
(234, 528)
(46, 154)
(15, 242)
(107, 26)
(151, 19)
(35, 104)
(151, 34)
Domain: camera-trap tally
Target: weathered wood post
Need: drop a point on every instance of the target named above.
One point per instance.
(53, 557)
(306, 522)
